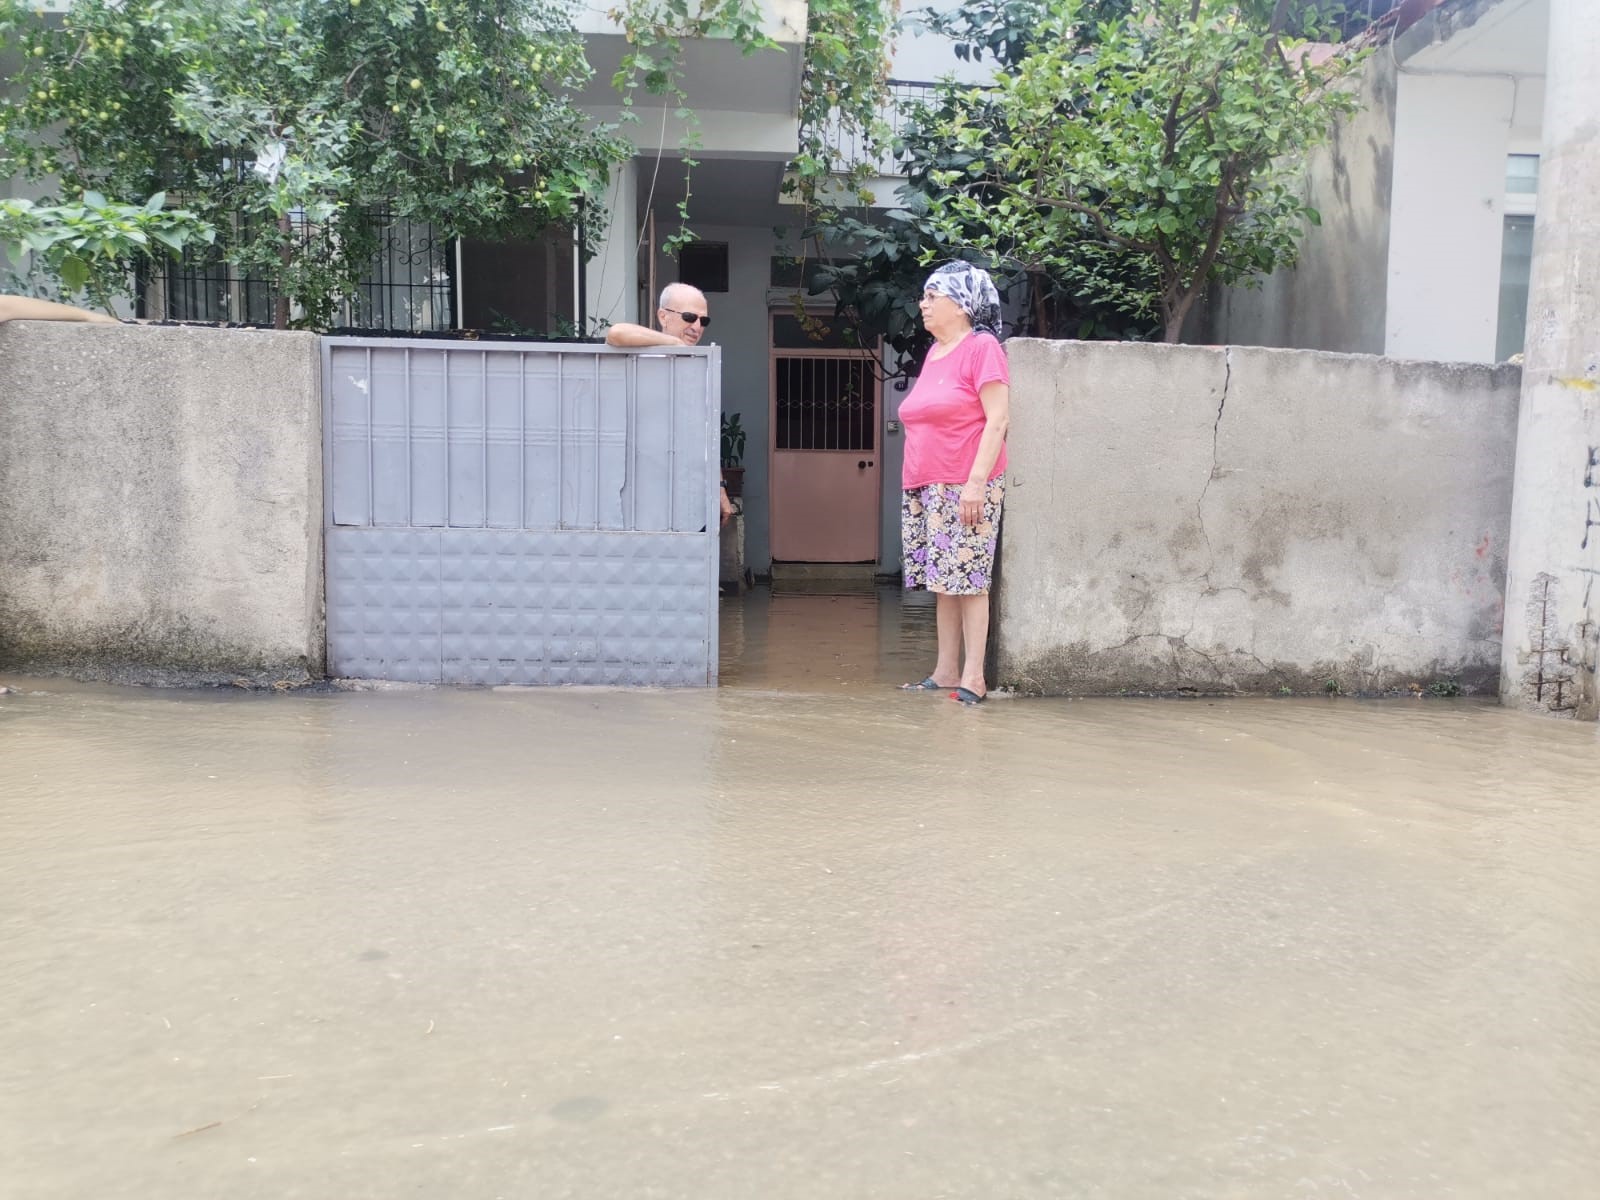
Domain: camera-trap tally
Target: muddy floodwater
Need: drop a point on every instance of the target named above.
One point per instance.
(798, 937)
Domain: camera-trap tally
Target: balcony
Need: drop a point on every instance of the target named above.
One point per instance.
(886, 169)
(744, 104)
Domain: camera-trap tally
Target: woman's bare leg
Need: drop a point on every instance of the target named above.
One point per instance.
(947, 617)
(975, 638)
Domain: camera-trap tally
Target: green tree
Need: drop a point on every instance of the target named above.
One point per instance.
(1006, 30)
(92, 245)
(874, 265)
(285, 122)
(1170, 143)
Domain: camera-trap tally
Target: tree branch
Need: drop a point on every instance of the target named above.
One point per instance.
(1219, 226)
(1087, 210)
(1280, 16)
(1189, 119)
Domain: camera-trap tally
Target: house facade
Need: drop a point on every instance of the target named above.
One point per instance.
(822, 454)
(1428, 197)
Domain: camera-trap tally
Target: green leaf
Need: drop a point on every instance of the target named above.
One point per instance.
(74, 273)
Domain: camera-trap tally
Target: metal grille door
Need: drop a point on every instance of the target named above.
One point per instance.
(517, 514)
(825, 404)
(825, 473)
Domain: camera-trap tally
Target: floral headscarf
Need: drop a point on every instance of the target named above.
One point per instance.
(973, 290)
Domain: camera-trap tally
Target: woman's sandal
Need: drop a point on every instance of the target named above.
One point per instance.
(927, 685)
(967, 696)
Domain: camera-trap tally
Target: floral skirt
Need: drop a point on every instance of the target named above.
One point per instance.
(940, 553)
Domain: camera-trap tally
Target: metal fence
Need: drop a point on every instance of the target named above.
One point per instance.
(901, 97)
(520, 514)
(409, 286)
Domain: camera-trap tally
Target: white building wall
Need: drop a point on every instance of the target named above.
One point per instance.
(716, 131)
(613, 273)
(1527, 126)
(1452, 135)
(925, 57)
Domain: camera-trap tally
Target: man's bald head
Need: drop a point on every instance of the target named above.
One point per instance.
(676, 300)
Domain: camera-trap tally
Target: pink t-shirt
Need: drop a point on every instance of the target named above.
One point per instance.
(943, 417)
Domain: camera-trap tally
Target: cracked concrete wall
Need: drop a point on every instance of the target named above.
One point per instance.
(1247, 520)
(160, 503)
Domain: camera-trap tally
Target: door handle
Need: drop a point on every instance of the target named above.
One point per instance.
(863, 465)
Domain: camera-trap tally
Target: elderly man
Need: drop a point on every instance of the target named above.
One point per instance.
(682, 317)
(683, 320)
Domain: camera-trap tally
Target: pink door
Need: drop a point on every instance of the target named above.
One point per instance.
(826, 475)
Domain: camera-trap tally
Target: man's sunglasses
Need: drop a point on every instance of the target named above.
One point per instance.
(691, 318)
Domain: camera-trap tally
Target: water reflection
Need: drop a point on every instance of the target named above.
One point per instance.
(814, 639)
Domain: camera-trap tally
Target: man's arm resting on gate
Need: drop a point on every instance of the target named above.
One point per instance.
(25, 308)
(633, 337)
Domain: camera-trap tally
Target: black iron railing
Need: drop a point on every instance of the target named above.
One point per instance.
(900, 98)
(409, 286)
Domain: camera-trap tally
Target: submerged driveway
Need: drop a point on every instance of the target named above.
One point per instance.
(801, 936)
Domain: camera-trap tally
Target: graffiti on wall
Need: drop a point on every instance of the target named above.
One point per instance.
(1563, 656)
(1552, 681)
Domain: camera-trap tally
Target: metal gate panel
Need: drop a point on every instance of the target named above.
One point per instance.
(517, 514)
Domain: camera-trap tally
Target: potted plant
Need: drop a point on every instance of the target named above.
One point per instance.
(733, 454)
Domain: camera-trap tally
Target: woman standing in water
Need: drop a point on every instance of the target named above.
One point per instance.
(955, 422)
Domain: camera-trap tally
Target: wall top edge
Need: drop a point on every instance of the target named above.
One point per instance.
(508, 346)
(1270, 351)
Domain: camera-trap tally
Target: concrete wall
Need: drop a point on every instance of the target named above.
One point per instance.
(1334, 297)
(160, 503)
(1239, 519)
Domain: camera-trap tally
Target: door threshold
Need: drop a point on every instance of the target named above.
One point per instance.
(824, 579)
(790, 571)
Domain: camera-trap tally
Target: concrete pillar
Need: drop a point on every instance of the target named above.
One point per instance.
(1552, 608)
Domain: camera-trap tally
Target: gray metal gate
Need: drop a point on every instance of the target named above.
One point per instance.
(520, 514)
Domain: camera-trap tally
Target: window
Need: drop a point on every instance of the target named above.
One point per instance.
(526, 286)
(1516, 253)
(788, 272)
(1522, 175)
(704, 265)
(1516, 260)
(408, 286)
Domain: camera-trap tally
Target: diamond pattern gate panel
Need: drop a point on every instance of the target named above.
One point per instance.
(520, 514)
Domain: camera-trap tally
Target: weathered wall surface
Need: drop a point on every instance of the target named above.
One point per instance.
(160, 502)
(1334, 298)
(1185, 518)
(1551, 660)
